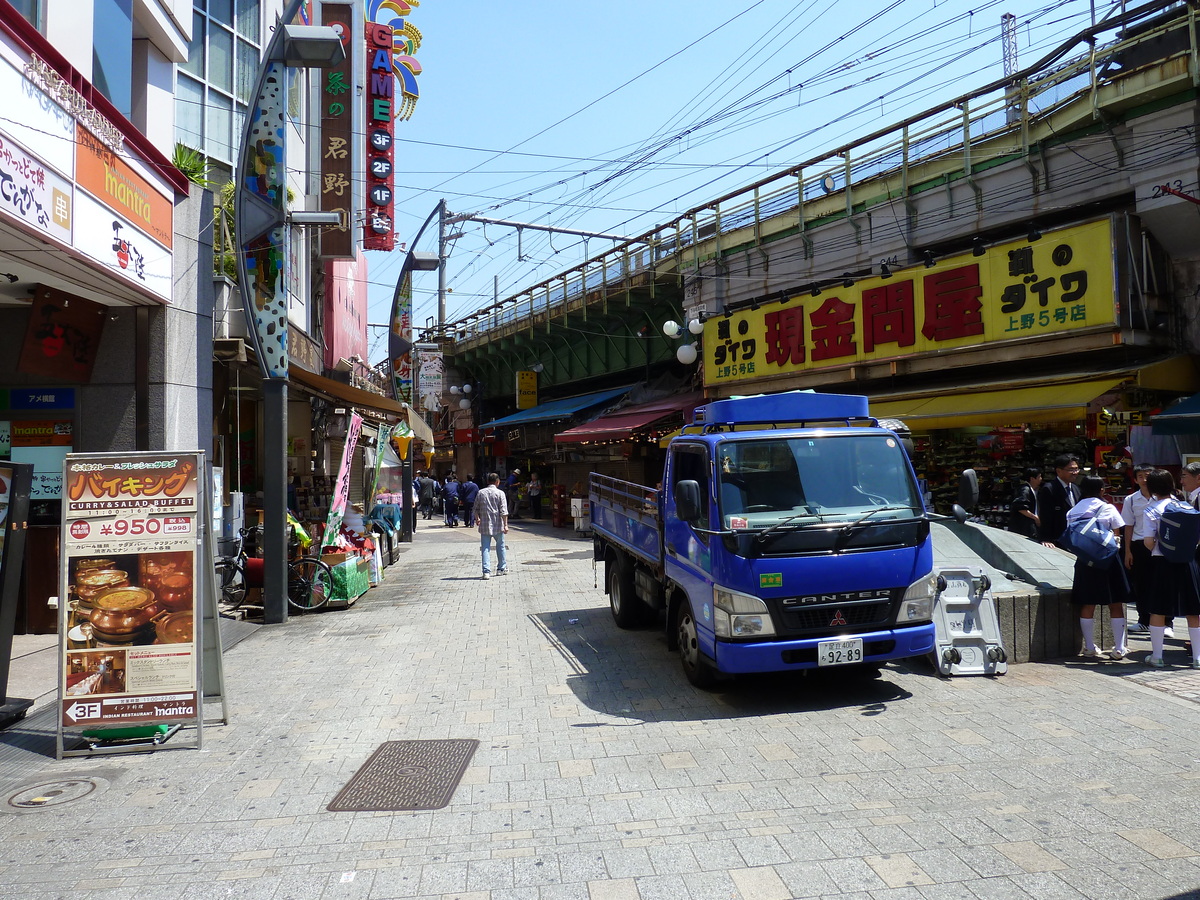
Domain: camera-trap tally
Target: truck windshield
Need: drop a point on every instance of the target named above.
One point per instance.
(811, 482)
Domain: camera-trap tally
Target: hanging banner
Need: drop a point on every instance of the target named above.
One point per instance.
(400, 342)
(341, 491)
(128, 629)
(431, 374)
(385, 436)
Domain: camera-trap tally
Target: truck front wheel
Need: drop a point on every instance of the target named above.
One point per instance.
(697, 669)
(627, 610)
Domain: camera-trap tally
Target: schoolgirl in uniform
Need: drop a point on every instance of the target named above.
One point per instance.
(1176, 586)
(1097, 583)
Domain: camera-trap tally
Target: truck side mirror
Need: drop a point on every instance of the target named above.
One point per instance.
(687, 500)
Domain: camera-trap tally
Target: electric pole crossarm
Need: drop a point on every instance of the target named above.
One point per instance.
(455, 219)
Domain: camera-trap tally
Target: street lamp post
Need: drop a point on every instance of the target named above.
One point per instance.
(260, 220)
(400, 344)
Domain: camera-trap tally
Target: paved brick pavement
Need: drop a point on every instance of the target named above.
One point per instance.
(602, 775)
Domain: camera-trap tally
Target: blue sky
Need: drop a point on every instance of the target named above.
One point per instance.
(615, 117)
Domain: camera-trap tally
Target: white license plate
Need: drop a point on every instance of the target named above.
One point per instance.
(839, 653)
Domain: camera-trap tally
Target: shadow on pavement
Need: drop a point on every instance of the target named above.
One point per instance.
(630, 675)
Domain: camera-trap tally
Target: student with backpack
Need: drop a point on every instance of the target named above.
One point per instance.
(1172, 534)
(1092, 527)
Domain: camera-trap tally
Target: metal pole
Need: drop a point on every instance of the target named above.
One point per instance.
(274, 444)
(406, 504)
(441, 263)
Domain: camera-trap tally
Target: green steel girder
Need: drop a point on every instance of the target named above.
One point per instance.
(612, 342)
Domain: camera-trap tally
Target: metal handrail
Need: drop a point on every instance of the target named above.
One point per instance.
(962, 132)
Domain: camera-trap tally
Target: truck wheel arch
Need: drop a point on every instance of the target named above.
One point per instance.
(675, 596)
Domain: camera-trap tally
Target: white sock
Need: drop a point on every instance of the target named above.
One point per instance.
(1118, 627)
(1156, 640)
(1194, 634)
(1089, 633)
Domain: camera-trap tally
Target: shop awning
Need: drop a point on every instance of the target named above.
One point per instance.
(558, 409)
(1060, 402)
(365, 400)
(1178, 418)
(622, 423)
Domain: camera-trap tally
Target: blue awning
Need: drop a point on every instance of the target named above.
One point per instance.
(1178, 419)
(558, 409)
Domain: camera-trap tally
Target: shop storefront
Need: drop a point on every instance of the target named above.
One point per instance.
(996, 359)
(99, 305)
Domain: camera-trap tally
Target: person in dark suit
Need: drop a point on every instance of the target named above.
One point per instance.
(1055, 497)
(1022, 512)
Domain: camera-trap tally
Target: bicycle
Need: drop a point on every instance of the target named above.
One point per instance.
(309, 584)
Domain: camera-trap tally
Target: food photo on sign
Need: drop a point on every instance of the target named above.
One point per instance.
(130, 600)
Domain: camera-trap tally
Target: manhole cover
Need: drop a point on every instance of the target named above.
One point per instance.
(403, 775)
(52, 793)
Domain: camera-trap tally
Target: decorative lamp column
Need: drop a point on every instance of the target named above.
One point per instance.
(260, 220)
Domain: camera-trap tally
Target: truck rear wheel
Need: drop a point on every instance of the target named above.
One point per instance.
(627, 610)
(697, 669)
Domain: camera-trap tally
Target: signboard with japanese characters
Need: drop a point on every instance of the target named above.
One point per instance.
(115, 183)
(379, 231)
(33, 192)
(337, 99)
(125, 251)
(1059, 283)
(129, 620)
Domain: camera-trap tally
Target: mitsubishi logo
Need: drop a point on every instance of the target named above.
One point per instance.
(838, 619)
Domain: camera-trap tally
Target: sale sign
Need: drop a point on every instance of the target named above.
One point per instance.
(129, 620)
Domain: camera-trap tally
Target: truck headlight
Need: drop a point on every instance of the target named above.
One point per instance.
(917, 605)
(740, 615)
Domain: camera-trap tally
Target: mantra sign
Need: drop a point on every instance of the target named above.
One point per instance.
(1060, 283)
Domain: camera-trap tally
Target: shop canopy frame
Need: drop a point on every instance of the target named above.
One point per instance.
(377, 404)
(620, 424)
(1178, 419)
(558, 409)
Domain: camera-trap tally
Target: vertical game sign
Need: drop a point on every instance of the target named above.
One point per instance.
(337, 129)
(129, 626)
(381, 83)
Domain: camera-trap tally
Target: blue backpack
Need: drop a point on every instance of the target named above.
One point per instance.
(1179, 532)
(1087, 540)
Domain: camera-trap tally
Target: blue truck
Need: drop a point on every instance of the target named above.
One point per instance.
(788, 533)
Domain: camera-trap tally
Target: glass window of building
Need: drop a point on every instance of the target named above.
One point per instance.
(31, 11)
(112, 51)
(213, 87)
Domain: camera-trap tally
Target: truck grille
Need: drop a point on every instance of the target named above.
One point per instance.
(837, 613)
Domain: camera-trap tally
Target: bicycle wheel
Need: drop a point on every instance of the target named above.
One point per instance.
(310, 584)
(232, 582)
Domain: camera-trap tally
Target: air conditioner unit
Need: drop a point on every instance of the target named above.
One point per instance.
(229, 319)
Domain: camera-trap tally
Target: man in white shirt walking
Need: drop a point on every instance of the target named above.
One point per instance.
(491, 513)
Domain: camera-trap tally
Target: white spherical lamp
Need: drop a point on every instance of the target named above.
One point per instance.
(464, 403)
(455, 389)
(466, 389)
(672, 329)
(696, 326)
(686, 354)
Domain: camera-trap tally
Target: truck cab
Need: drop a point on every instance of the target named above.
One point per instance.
(793, 536)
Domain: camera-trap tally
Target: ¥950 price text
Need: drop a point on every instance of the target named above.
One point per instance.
(135, 527)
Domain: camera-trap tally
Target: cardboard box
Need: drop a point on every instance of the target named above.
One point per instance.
(334, 559)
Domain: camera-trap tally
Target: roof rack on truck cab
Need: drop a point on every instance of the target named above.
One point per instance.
(799, 409)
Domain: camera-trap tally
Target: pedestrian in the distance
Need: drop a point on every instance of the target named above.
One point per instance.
(491, 514)
(450, 500)
(426, 486)
(534, 492)
(468, 490)
(1137, 554)
(1176, 586)
(1022, 512)
(1055, 497)
(1097, 583)
(510, 490)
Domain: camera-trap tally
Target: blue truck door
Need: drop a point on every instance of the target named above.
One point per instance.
(687, 552)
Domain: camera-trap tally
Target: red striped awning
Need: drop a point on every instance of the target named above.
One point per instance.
(621, 424)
